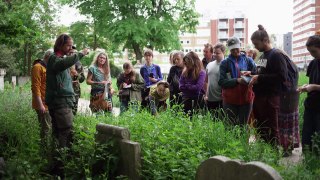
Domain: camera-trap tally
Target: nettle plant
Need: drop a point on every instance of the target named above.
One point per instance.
(173, 146)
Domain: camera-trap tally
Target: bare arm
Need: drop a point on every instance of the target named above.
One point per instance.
(309, 88)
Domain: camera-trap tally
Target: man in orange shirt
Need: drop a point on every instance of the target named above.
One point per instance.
(38, 87)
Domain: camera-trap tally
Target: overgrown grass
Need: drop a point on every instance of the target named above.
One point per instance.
(172, 145)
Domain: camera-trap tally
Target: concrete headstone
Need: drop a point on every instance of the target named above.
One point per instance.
(130, 152)
(222, 168)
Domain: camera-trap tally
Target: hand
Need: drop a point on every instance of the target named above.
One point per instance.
(305, 88)
(153, 79)
(106, 82)
(42, 109)
(112, 91)
(205, 98)
(85, 51)
(254, 80)
(124, 85)
(245, 73)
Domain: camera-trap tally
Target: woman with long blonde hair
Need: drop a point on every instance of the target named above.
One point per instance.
(99, 77)
(191, 83)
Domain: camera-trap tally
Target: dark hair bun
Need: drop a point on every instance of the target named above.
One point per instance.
(261, 28)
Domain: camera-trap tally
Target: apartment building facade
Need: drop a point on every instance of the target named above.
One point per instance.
(195, 41)
(226, 26)
(306, 20)
(287, 43)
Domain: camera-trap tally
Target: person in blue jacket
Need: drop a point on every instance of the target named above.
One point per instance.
(151, 74)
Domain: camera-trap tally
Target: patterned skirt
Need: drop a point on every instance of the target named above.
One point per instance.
(289, 130)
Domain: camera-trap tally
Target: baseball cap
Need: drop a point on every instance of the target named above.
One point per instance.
(233, 43)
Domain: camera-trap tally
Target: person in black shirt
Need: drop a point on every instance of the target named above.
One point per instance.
(174, 76)
(311, 118)
(267, 84)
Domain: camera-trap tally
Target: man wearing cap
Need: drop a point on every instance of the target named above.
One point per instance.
(237, 96)
(77, 76)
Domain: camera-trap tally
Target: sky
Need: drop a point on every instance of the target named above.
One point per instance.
(274, 15)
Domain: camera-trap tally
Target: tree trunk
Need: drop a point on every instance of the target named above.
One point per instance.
(95, 44)
(29, 61)
(25, 50)
(137, 52)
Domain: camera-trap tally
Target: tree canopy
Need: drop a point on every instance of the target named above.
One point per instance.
(26, 27)
(135, 24)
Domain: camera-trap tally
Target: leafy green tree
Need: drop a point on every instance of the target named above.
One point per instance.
(8, 61)
(135, 24)
(26, 25)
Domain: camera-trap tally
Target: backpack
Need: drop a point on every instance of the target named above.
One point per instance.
(291, 79)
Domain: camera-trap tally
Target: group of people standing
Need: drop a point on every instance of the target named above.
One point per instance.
(236, 83)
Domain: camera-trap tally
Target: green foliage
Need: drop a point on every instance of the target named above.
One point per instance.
(8, 61)
(172, 145)
(19, 135)
(115, 70)
(19, 139)
(136, 24)
(26, 26)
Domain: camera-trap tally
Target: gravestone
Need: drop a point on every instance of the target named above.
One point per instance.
(2, 74)
(223, 168)
(130, 152)
(22, 80)
(1, 83)
(14, 81)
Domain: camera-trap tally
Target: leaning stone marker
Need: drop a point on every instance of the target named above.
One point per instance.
(1, 83)
(2, 74)
(222, 168)
(130, 152)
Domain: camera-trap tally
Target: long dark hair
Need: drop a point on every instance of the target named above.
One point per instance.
(60, 41)
(260, 34)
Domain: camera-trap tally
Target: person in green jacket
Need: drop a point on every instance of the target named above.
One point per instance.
(60, 94)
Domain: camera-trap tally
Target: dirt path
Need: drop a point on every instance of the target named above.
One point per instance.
(295, 158)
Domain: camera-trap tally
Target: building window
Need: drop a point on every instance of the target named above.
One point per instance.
(187, 42)
(181, 42)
